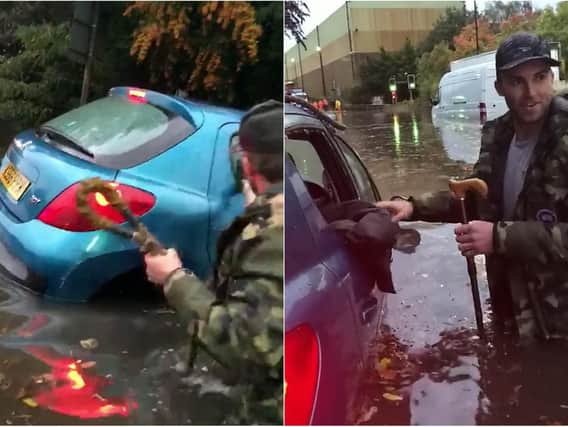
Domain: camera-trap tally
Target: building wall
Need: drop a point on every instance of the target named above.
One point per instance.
(373, 24)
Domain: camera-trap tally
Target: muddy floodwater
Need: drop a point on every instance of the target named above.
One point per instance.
(112, 362)
(429, 366)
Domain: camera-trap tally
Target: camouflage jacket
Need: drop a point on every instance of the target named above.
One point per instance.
(236, 318)
(531, 251)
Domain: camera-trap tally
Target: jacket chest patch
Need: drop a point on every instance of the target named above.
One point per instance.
(546, 216)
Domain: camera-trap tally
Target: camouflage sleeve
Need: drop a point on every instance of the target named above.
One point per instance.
(441, 206)
(249, 326)
(189, 296)
(531, 241)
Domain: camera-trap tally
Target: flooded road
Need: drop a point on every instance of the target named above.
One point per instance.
(111, 362)
(430, 366)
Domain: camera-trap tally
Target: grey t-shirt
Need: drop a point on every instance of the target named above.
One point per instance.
(518, 160)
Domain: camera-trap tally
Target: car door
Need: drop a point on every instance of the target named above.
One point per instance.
(336, 176)
(369, 299)
(318, 303)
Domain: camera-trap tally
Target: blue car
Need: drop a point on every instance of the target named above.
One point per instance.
(333, 305)
(171, 161)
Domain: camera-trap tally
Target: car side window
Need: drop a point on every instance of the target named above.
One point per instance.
(306, 159)
(301, 151)
(363, 181)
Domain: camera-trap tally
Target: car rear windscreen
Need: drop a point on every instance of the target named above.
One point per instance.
(121, 133)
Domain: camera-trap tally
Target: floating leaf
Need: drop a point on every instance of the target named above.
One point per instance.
(30, 402)
(392, 397)
(89, 344)
(383, 364)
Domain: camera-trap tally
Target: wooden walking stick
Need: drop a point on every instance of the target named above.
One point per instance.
(459, 189)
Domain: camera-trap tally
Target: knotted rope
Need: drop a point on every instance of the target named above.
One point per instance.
(138, 233)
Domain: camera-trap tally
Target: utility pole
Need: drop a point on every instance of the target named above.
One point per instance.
(295, 71)
(301, 70)
(476, 27)
(321, 63)
(350, 40)
(90, 55)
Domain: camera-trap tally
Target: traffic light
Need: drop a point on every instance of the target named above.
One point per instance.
(411, 79)
(392, 84)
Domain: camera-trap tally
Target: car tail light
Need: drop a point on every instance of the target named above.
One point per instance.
(301, 370)
(62, 211)
(137, 95)
(482, 112)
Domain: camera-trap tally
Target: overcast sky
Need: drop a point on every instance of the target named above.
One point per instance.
(321, 9)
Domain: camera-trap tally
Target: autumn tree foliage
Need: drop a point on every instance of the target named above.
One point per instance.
(198, 47)
(465, 42)
(519, 22)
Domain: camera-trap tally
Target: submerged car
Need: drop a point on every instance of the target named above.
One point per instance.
(333, 305)
(170, 159)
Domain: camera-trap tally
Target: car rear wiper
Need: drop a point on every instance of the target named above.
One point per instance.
(63, 139)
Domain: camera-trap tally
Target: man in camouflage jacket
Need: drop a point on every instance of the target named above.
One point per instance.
(525, 239)
(236, 317)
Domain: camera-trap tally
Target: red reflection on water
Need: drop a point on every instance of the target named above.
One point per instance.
(74, 390)
(37, 321)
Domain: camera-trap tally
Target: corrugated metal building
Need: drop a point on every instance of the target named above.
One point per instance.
(355, 31)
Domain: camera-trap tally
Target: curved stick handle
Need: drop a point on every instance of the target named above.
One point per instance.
(461, 187)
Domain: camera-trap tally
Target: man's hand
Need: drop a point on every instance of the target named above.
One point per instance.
(158, 267)
(248, 192)
(400, 209)
(475, 238)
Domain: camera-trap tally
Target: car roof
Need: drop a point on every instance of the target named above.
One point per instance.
(296, 113)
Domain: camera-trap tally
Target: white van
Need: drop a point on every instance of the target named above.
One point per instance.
(467, 92)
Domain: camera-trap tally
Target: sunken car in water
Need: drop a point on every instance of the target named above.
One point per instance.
(169, 159)
(333, 304)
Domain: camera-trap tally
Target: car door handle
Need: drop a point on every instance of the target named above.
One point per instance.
(368, 308)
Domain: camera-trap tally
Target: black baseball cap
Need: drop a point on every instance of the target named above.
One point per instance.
(262, 128)
(520, 48)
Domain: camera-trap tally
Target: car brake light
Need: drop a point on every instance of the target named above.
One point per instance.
(62, 211)
(301, 370)
(137, 95)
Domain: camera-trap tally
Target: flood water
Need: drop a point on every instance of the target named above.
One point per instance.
(110, 362)
(429, 365)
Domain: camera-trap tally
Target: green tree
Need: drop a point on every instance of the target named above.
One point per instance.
(431, 67)
(38, 82)
(263, 79)
(376, 72)
(23, 13)
(296, 13)
(498, 11)
(446, 28)
(553, 25)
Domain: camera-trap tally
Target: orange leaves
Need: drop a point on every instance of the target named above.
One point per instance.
(206, 42)
(518, 22)
(465, 42)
